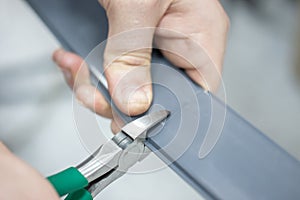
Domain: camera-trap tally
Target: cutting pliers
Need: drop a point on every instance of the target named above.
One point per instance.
(109, 162)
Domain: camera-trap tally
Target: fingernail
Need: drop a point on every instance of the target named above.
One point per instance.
(58, 55)
(133, 100)
(148, 93)
(137, 103)
(138, 97)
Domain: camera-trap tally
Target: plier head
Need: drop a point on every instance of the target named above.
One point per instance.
(117, 155)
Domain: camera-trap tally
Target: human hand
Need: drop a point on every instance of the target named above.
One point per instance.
(20, 181)
(198, 23)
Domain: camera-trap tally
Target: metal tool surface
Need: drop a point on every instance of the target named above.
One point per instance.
(109, 162)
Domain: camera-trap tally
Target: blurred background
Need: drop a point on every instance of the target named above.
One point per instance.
(261, 76)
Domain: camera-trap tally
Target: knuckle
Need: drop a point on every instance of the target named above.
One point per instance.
(135, 59)
(102, 108)
(127, 60)
(224, 19)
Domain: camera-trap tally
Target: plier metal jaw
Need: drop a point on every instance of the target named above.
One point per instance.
(110, 161)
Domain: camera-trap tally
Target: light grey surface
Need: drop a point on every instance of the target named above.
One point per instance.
(248, 103)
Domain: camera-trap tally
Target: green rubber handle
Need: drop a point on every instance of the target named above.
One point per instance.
(80, 195)
(68, 181)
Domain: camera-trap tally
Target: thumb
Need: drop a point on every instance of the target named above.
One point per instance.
(127, 55)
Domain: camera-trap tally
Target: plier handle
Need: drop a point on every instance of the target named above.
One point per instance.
(109, 162)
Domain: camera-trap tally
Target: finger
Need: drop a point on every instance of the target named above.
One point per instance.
(127, 55)
(77, 75)
(197, 76)
(114, 127)
(117, 123)
(198, 40)
(200, 68)
(90, 97)
(71, 64)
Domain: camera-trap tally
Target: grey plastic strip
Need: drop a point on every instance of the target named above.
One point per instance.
(244, 164)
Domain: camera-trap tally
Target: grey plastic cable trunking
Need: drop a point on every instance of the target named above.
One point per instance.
(244, 164)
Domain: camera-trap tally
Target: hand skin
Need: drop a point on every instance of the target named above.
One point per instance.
(204, 22)
(20, 181)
